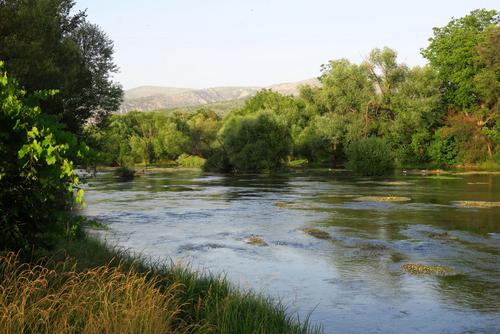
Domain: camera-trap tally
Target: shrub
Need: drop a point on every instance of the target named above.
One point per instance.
(256, 142)
(125, 173)
(190, 161)
(370, 157)
(217, 162)
(36, 171)
(443, 149)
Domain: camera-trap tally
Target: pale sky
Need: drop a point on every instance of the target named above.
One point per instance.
(199, 44)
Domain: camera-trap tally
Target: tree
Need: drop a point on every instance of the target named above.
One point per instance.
(465, 53)
(36, 171)
(453, 52)
(418, 110)
(100, 95)
(386, 76)
(203, 127)
(370, 156)
(255, 142)
(46, 47)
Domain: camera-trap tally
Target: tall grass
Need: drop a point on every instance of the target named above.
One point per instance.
(36, 299)
(74, 293)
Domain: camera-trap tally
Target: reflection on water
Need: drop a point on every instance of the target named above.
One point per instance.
(353, 279)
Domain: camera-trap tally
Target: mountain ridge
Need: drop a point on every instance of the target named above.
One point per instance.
(149, 98)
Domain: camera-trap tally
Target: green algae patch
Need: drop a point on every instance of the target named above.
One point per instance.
(477, 204)
(442, 236)
(283, 204)
(423, 269)
(340, 196)
(443, 177)
(397, 257)
(383, 199)
(256, 241)
(386, 183)
(317, 233)
(373, 247)
(394, 183)
(302, 206)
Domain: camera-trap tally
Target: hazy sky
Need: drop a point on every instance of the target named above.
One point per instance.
(195, 43)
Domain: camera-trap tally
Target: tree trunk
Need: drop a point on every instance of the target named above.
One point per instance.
(490, 151)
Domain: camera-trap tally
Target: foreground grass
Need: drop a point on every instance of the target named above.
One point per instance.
(88, 287)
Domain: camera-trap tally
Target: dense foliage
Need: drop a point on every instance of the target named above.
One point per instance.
(36, 170)
(370, 156)
(45, 46)
(62, 67)
(256, 142)
(443, 114)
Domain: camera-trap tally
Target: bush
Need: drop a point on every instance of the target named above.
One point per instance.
(256, 142)
(36, 172)
(190, 161)
(125, 173)
(443, 150)
(370, 157)
(217, 162)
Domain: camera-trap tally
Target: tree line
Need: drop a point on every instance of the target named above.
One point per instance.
(371, 116)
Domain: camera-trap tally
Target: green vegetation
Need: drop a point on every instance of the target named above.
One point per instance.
(256, 241)
(370, 117)
(72, 291)
(370, 156)
(46, 46)
(190, 161)
(317, 233)
(256, 142)
(382, 199)
(125, 173)
(37, 181)
(423, 269)
(477, 204)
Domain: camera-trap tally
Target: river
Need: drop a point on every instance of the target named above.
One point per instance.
(351, 279)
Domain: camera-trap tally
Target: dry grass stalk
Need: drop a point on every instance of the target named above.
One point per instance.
(36, 299)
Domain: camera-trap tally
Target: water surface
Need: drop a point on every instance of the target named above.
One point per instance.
(353, 282)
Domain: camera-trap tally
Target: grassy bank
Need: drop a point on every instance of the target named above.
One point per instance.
(86, 286)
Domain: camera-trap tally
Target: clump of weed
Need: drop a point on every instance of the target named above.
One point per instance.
(423, 269)
(125, 173)
(443, 177)
(477, 204)
(397, 257)
(255, 241)
(373, 247)
(383, 199)
(317, 233)
(442, 236)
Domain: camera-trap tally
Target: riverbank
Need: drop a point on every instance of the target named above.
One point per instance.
(481, 169)
(85, 284)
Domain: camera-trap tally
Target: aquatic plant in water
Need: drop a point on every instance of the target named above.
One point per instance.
(442, 236)
(423, 269)
(383, 199)
(317, 233)
(477, 204)
(256, 241)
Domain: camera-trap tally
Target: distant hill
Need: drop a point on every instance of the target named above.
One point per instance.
(148, 98)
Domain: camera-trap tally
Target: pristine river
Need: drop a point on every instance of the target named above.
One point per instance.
(353, 282)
